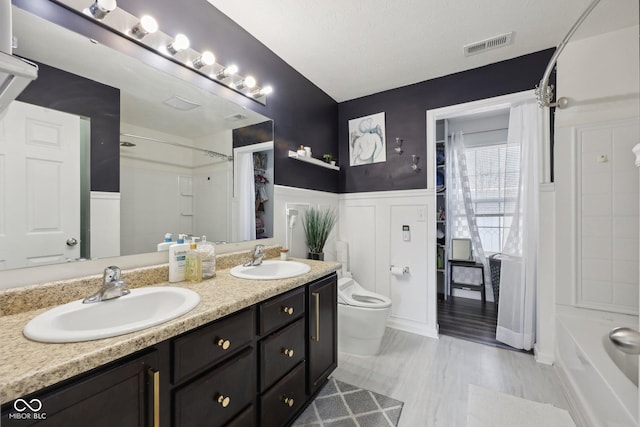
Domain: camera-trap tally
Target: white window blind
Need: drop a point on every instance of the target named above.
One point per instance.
(493, 172)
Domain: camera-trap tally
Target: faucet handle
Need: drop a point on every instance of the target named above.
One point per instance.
(111, 274)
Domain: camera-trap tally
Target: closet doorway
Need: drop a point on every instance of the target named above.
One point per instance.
(478, 184)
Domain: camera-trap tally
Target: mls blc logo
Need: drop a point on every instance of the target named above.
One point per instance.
(27, 410)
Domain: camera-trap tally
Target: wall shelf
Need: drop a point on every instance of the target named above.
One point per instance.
(317, 162)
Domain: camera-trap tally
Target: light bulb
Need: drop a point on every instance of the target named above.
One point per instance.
(226, 72)
(100, 8)
(146, 25)
(262, 92)
(180, 42)
(249, 82)
(207, 58)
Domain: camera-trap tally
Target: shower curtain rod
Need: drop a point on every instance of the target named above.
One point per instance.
(209, 153)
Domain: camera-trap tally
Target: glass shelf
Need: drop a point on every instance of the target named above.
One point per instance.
(317, 162)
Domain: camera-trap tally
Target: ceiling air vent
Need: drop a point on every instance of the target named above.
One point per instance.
(492, 43)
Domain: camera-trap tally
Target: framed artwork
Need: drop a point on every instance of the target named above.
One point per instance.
(367, 140)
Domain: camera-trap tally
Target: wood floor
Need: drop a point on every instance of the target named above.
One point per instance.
(432, 376)
(470, 320)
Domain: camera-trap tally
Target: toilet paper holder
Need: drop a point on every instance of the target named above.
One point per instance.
(396, 270)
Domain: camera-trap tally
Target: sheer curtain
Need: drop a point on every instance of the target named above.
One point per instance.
(460, 211)
(516, 312)
(246, 223)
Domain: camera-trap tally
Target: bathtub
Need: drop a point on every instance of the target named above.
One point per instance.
(599, 387)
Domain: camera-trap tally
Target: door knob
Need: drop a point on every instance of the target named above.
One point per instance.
(72, 241)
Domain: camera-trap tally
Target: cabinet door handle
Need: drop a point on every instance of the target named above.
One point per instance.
(316, 297)
(287, 352)
(288, 401)
(288, 310)
(155, 383)
(223, 400)
(224, 344)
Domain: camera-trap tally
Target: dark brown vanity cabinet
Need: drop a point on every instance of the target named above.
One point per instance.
(214, 373)
(322, 335)
(259, 366)
(124, 394)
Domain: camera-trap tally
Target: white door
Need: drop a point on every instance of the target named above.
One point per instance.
(39, 186)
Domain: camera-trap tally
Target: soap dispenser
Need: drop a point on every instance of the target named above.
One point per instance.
(177, 259)
(164, 246)
(193, 267)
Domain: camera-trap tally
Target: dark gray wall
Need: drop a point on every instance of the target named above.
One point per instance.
(406, 109)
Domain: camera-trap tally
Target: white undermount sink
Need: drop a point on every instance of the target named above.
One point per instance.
(141, 309)
(270, 270)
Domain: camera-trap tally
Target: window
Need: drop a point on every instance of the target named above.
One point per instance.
(493, 172)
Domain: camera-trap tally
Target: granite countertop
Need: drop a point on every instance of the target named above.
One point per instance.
(27, 366)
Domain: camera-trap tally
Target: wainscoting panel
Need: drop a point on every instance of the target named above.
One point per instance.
(372, 225)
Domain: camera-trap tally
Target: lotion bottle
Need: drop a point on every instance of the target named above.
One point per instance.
(193, 266)
(177, 259)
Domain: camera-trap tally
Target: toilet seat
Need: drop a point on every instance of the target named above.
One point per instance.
(351, 293)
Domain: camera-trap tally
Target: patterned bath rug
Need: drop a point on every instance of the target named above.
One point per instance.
(340, 404)
(488, 408)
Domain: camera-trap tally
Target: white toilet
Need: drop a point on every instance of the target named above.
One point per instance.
(362, 315)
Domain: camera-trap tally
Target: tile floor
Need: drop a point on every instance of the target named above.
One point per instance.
(432, 376)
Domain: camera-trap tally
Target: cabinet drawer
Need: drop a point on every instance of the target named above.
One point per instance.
(219, 395)
(280, 352)
(281, 310)
(197, 350)
(247, 418)
(284, 399)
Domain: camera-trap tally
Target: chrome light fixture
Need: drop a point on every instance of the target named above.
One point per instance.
(227, 72)
(167, 45)
(100, 8)
(248, 82)
(146, 25)
(262, 92)
(180, 42)
(207, 58)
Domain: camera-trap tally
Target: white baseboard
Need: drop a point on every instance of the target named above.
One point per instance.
(412, 327)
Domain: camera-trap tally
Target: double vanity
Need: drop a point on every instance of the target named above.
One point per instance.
(253, 352)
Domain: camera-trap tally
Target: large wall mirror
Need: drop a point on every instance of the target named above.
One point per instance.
(176, 172)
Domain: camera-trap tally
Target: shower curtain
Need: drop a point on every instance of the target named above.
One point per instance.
(516, 312)
(246, 224)
(462, 223)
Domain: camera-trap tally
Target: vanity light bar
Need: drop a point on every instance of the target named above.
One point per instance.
(145, 30)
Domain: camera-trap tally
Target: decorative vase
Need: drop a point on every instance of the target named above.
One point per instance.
(318, 256)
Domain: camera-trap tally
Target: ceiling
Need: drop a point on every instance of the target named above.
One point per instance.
(355, 48)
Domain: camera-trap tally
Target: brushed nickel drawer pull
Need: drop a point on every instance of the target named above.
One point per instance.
(287, 352)
(288, 401)
(223, 400)
(224, 344)
(316, 296)
(288, 310)
(155, 382)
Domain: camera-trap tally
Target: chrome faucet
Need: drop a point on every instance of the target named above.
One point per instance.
(256, 256)
(112, 286)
